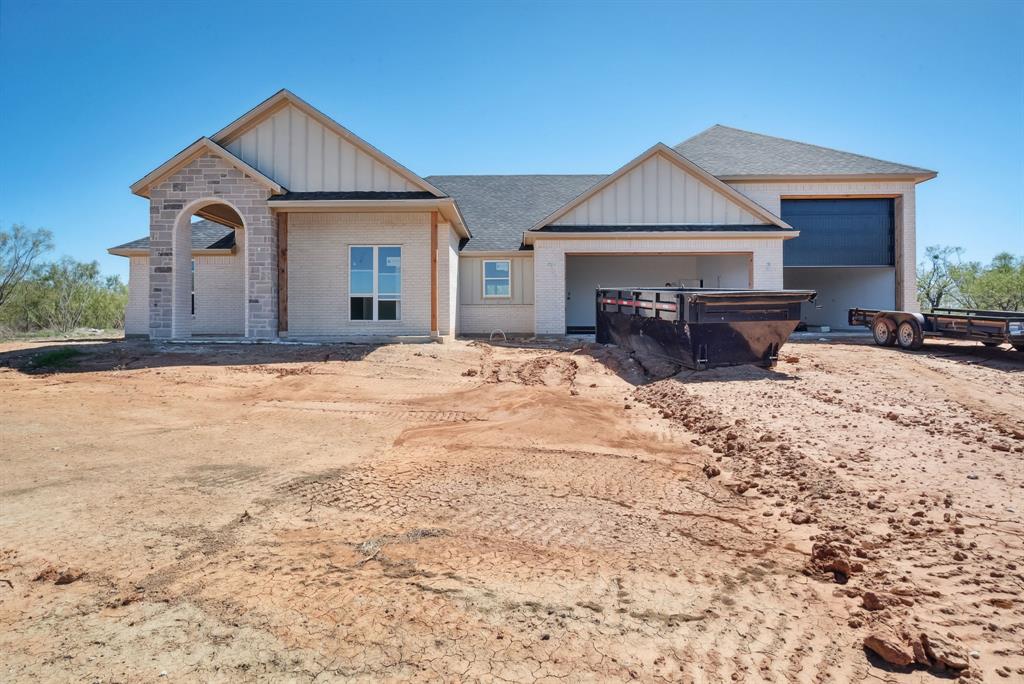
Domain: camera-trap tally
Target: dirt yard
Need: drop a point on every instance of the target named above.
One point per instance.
(465, 512)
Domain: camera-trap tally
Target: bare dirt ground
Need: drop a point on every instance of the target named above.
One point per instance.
(465, 512)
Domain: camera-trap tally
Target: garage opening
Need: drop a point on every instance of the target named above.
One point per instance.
(846, 251)
(584, 273)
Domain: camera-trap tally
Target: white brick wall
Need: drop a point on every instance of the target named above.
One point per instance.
(769, 196)
(136, 314)
(549, 266)
(447, 279)
(318, 300)
(484, 318)
(220, 293)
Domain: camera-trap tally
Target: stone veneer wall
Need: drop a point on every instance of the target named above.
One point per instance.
(208, 179)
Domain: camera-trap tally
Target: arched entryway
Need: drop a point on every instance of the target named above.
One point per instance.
(209, 257)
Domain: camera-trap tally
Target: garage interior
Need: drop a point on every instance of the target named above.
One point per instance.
(584, 273)
(845, 251)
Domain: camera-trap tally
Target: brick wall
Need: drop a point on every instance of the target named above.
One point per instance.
(447, 278)
(136, 314)
(769, 195)
(318, 283)
(208, 179)
(220, 293)
(549, 266)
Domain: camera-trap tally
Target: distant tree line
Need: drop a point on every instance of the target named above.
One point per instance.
(945, 280)
(55, 296)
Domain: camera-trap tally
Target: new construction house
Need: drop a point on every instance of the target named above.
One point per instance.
(286, 224)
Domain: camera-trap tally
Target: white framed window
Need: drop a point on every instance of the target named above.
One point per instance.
(497, 278)
(375, 282)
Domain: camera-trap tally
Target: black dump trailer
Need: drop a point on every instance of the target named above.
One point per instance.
(908, 329)
(700, 328)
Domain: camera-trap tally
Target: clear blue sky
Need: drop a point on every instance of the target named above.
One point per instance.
(95, 95)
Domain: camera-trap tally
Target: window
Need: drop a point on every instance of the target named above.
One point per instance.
(497, 278)
(375, 283)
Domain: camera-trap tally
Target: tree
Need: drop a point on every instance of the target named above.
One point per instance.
(997, 286)
(19, 250)
(935, 283)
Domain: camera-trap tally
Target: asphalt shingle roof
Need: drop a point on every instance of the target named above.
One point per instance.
(205, 235)
(499, 209)
(725, 151)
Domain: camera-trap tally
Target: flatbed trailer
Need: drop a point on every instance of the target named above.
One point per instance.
(909, 329)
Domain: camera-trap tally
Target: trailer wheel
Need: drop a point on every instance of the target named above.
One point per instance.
(991, 344)
(909, 336)
(884, 332)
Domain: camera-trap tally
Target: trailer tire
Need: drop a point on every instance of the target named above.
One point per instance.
(991, 344)
(909, 335)
(883, 331)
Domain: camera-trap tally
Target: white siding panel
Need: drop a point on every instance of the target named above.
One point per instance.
(658, 191)
(302, 154)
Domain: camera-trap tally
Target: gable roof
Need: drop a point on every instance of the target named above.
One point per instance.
(206, 236)
(733, 153)
(674, 157)
(499, 208)
(202, 146)
(283, 98)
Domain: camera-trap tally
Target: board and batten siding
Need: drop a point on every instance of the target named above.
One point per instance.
(471, 275)
(482, 315)
(318, 265)
(658, 191)
(303, 155)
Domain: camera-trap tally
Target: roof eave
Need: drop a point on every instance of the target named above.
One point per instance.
(446, 205)
(824, 178)
(532, 235)
(135, 252)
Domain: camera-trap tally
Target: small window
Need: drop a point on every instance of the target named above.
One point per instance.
(497, 278)
(375, 283)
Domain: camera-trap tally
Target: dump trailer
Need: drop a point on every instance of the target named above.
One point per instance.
(700, 328)
(908, 329)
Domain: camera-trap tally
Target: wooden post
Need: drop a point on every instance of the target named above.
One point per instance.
(282, 272)
(433, 273)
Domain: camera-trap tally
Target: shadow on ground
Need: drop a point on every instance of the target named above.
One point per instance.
(91, 357)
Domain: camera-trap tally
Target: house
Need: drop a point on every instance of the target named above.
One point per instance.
(286, 224)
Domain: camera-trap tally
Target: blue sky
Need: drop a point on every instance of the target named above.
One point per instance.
(95, 95)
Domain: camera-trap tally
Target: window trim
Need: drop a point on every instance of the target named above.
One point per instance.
(376, 285)
(484, 279)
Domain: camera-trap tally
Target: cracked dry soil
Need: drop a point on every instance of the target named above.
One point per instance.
(466, 512)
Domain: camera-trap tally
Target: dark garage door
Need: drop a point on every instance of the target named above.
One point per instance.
(840, 232)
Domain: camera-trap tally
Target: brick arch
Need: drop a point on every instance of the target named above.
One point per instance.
(206, 180)
(181, 315)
